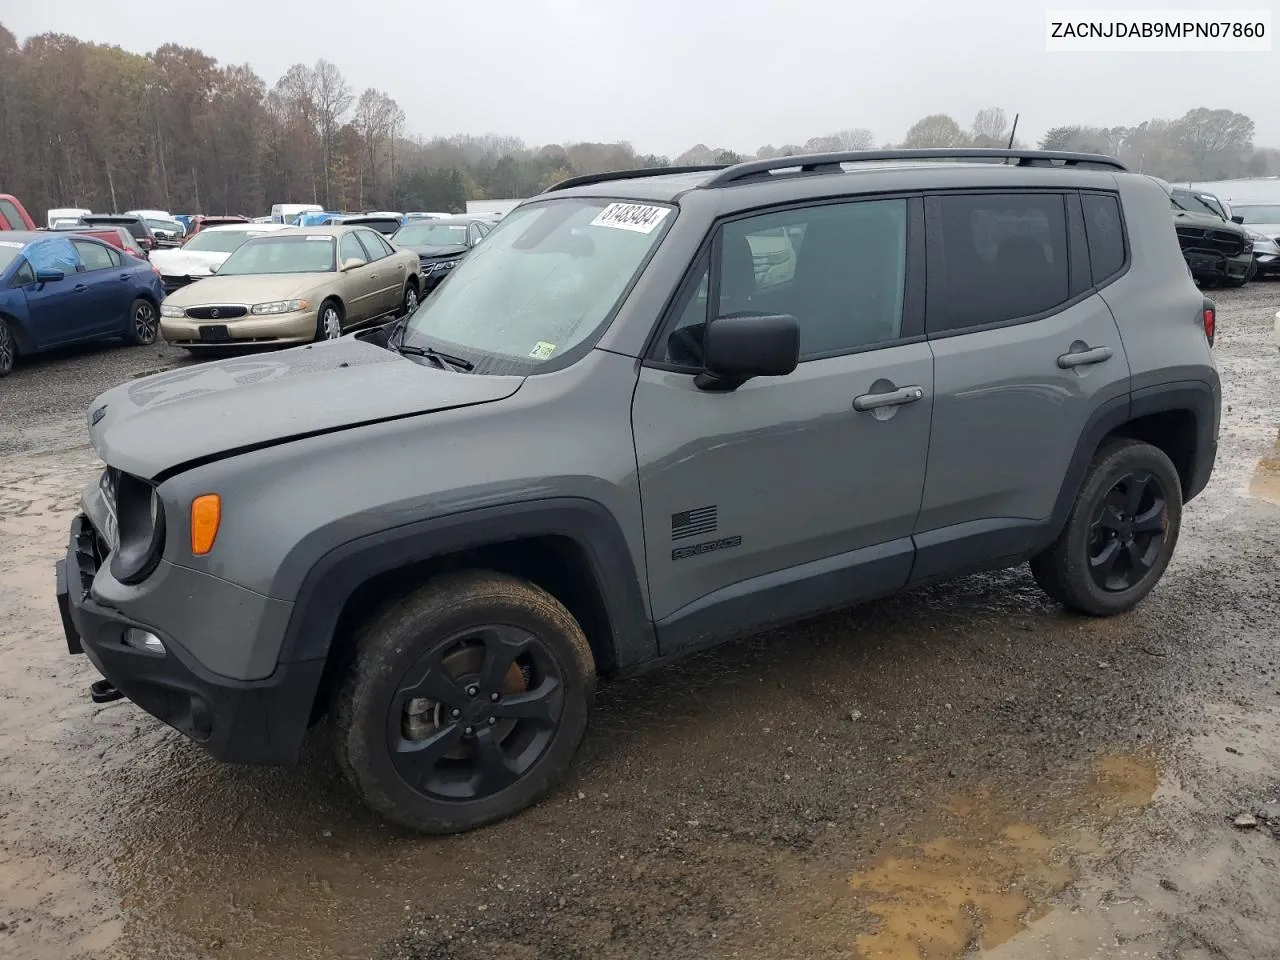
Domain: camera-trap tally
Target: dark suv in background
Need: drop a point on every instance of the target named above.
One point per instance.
(1217, 250)
(136, 226)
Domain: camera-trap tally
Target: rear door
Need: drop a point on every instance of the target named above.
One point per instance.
(110, 290)
(390, 274)
(58, 311)
(1025, 351)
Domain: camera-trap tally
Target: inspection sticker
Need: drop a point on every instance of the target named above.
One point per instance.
(542, 350)
(639, 217)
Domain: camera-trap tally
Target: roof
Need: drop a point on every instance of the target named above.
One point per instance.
(242, 225)
(26, 236)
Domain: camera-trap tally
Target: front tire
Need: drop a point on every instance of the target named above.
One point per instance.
(410, 301)
(329, 321)
(466, 702)
(1120, 534)
(8, 348)
(144, 323)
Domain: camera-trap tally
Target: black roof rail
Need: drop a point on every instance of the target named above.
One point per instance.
(589, 178)
(831, 162)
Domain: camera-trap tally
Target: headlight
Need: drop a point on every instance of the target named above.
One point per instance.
(140, 522)
(168, 311)
(279, 306)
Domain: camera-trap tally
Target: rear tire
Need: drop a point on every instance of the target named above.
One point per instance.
(465, 704)
(329, 321)
(1120, 534)
(410, 301)
(144, 323)
(8, 348)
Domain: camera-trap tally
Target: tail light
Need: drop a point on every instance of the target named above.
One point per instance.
(1209, 314)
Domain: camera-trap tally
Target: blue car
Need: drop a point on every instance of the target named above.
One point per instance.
(57, 289)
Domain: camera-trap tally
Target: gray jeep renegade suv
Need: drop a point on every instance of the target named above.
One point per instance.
(654, 410)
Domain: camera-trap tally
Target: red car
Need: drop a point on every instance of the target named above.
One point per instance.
(116, 236)
(13, 215)
(200, 222)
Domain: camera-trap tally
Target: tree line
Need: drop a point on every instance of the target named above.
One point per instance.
(93, 125)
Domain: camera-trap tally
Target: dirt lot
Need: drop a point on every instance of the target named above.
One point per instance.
(963, 770)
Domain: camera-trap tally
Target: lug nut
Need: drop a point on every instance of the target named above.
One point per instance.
(492, 721)
(455, 713)
(494, 697)
(472, 690)
(469, 731)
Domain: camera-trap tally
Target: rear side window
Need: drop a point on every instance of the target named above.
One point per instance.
(95, 256)
(995, 258)
(1105, 232)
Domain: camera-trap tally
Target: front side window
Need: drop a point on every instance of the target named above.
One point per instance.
(1002, 257)
(54, 255)
(377, 247)
(352, 248)
(838, 268)
(281, 254)
(23, 275)
(541, 284)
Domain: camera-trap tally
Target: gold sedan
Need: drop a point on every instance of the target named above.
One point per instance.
(294, 286)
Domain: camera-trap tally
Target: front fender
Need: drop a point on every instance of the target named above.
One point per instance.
(333, 576)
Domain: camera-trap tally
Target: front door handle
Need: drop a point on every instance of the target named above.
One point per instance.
(79, 288)
(124, 276)
(1085, 357)
(893, 398)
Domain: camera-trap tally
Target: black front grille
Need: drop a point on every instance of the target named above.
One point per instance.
(215, 313)
(1216, 241)
(171, 284)
(91, 551)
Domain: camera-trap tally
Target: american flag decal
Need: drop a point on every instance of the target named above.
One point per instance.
(693, 523)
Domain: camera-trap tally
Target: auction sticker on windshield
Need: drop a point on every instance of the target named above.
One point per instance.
(542, 350)
(11, 243)
(640, 217)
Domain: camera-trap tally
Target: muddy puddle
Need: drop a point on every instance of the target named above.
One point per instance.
(1265, 482)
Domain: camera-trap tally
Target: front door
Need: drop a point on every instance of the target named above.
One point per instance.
(791, 494)
(59, 310)
(360, 285)
(1024, 352)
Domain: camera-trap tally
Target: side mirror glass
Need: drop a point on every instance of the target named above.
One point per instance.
(1238, 218)
(49, 276)
(737, 348)
(351, 263)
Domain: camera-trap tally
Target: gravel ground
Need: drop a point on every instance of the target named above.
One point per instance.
(962, 770)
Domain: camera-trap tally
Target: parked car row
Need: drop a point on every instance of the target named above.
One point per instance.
(1223, 243)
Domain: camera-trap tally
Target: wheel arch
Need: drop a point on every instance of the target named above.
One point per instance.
(21, 338)
(571, 547)
(1178, 417)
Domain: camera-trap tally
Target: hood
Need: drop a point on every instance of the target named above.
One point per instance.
(452, 250)
(248, 289)
(152, 425)
(187, 263)
(1266, 229)
(1205, 220)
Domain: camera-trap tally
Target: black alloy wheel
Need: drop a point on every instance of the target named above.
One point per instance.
(475, 712)
(144, 322)
(1128, 532)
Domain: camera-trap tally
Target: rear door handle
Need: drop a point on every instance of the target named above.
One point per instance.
(80, 288)
(1085, 357)
(124, 276)
(893, 398)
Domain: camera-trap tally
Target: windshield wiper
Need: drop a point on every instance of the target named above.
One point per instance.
(443, 360)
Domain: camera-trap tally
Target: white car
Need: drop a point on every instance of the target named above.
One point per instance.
(205, 252)
(59, 214)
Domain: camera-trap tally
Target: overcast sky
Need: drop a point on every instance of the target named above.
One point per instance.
(666, 74)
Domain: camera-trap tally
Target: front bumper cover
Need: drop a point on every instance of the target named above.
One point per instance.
(257, 722)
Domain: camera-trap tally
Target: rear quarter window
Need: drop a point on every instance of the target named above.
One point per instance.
(1104, 229)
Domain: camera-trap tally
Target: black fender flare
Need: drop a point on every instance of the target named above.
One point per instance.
(332, 577)
(1198, 397)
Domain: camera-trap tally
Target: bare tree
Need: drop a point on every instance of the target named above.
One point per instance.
(990, 128)
(333, 99)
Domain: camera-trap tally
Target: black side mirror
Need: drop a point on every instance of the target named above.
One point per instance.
(737, 348)
(1238, 218)
(49, 276)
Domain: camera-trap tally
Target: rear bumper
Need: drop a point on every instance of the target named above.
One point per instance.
(258, 722)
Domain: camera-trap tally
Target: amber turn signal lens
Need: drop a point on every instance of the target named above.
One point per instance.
(206, 514)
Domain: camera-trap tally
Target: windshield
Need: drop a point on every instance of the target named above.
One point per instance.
(432, 235)
(219, 241)
(1258, 213)
(1185, 200)
(10, 250)
(281, 255)
(543, 281)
